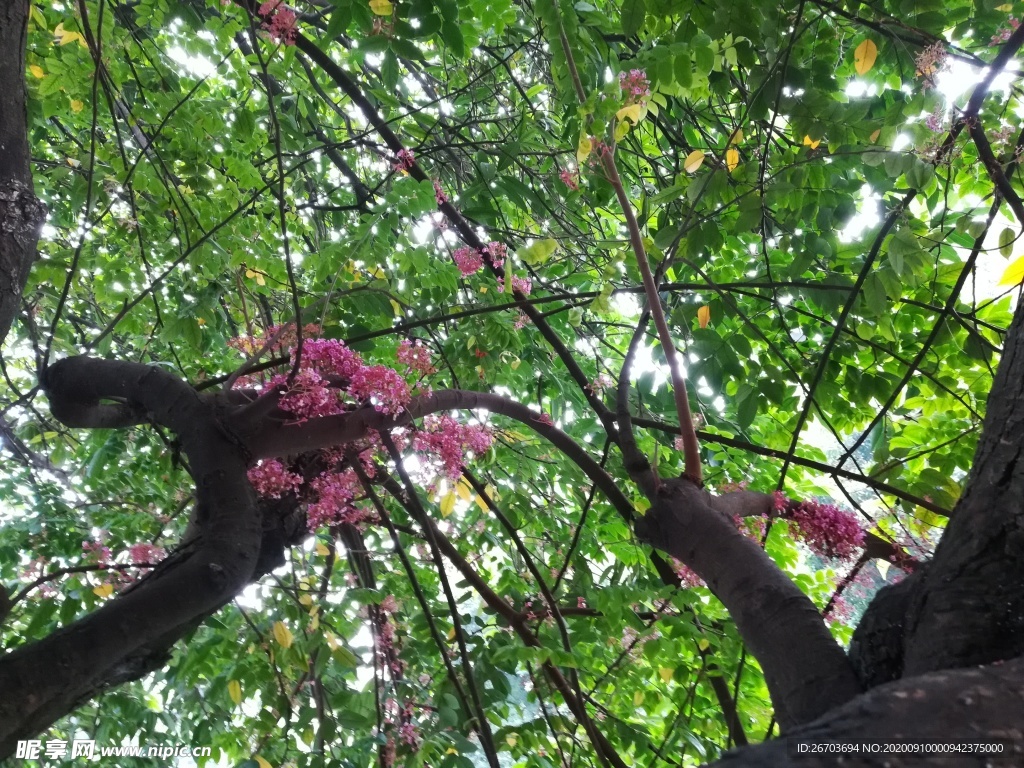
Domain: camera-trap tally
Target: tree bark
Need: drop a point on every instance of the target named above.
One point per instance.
(21, 213)
(131, 634)
(806, 671)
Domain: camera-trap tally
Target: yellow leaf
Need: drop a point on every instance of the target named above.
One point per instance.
(638, 698)
(512, 739)
(103, 590)
(235, 691)
(464, 489)
(201, 320)
(481, 503)
(812, 143)
(693, 161)
(703, 644)
(732, 159)
(666, 674)
(262, 762)
(314, 625)
(515, 363)
(322, 549)
(447, 504)
(451, 634)
(397, 307)
(62, 36)
(381, 7)
(704, 316)
(282, 635)
(332, 641)
(36, 70)
(737, 136)
(1014, 273)
(864, 56)
(633, 113)
(583, 148)
(378, 273)
(621, 129)
(306, 600)
(77, 105)
(452, 751)
(874, 136)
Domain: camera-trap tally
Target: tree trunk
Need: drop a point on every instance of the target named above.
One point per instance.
(21, 213)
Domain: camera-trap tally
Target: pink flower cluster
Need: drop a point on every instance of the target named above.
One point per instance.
(336, 493)
(448, 439)
(634, 84)
(496, 253)
(145, 553)
(570, 179)
(270, 479)
(404, 160)
(283, 339)
(310, 395)
(929, 61)
(1003, 34)
(828, 530)
(416, 357)
(688, 577)
(521, 284)
(468, 260)
(439, 194)
(279, 21)
(330, 356)
(382, 386)
(96, 551)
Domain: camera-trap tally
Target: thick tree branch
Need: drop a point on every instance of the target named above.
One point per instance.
(45, 680)
(806, 671)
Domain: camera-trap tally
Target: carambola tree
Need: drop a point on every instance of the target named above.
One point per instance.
(548, 383)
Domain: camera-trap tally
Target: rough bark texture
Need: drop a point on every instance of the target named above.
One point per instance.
(806, 670)
(21, 213)
(131, 634)
(953, 706)
(928, 634)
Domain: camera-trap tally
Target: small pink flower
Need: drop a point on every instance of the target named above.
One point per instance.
(439, 194)
(468, 260)
(415, 356)
(280, 21)
(146, 553)
(635, 86)
(382, 386)
(495, 253)
(404, 160)
(570, 179)
(270, 479)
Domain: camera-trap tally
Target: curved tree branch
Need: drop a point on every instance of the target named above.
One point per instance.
(47, 679)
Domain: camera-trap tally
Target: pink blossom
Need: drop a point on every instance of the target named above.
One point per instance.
(439, 194)
(147, 553)
(521, 320)
(936, 119)
(270, 479)
(581, 602)
(309, 395)
(449, 440)
(335, 492)
(570, 179)
(929, 61)
(521, 284)
(404, 160)
(601, 383)
(496, 253)
(280, 21)
(415, 356)
(330, 357)
(635, 86)
(382, 386)
(688, 577)
(468, 260)
(96, 552)
(1004, 34)
(828, 530)
(389, 604)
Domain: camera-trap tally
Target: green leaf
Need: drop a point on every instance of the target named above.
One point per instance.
(633, 14)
